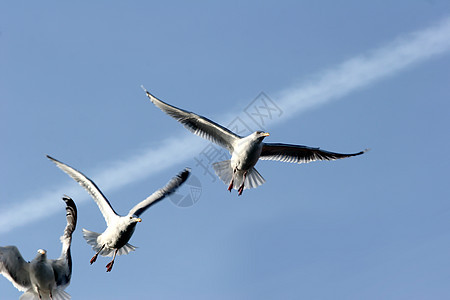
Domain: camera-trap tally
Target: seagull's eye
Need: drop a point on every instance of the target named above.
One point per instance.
(131, 218)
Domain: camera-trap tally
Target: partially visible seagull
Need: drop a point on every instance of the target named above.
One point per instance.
(42, 278)
(239, 171)
(114, 240)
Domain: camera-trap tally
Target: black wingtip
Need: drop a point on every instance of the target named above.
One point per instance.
(359, 153)
(147, 92)
(71, 210)
(149, 95)
(185, 174)
(66, 198)
(52, 159)
(364, 151)
(69, 202)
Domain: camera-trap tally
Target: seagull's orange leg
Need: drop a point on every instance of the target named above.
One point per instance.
(230, 187)
(241, 188)
(94, 258)
(111, 263)
(39, 293)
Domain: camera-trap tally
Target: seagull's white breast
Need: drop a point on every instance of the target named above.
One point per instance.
(246, 153)
(118, 233)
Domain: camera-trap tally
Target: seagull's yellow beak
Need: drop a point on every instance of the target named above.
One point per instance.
(139, 219)
(266, 134)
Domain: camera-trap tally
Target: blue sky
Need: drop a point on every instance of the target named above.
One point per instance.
(345, 77)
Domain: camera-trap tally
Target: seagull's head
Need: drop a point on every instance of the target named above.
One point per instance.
(134, 219)
(42, 254)
(127, 223)
(260, 135)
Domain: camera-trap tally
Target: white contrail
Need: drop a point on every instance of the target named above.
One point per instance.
(115, 176)
(366, 69)
(329, 85)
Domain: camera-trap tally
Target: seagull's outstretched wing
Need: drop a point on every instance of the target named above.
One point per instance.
(15, 268)
(160, 194)
(299, 154)
(62, 267)
(103, 203)
(199, 125)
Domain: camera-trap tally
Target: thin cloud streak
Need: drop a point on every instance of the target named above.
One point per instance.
(117, 175)
(329, 85)
(366, 69)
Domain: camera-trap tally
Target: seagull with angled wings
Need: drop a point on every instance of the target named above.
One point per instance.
(239, 172)
(114, 240)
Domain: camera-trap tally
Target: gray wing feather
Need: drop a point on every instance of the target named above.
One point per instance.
(102, 203)
(62, 267)
(160, 194)
(299, 154)
(198, 125)
(15, 268)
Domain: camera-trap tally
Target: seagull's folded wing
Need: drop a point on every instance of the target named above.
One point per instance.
(199, 125)
(299, 154)
(103, 203)
(160, 194)
(15, 268)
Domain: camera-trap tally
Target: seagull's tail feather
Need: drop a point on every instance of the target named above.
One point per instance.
(122, 251)
(91, 239)
(253, 179)
(57, 294)
(223, 170)
(125, 249)
(29, 295)
(60, 294)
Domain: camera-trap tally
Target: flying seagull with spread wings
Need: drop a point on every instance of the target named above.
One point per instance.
(114, 240)
(42, 278)
(239, 171)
